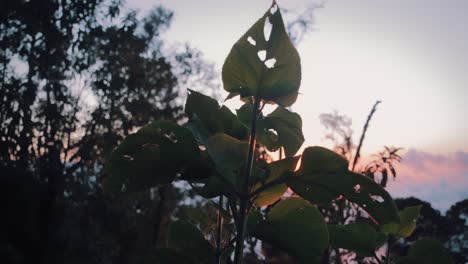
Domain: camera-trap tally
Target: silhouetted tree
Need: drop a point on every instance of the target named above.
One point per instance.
(451, 229)
(75, 78)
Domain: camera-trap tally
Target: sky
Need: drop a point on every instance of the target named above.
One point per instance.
(412, 55)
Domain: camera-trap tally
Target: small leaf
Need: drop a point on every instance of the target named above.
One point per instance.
(426, 250)
(358, 237)
(186, 238)
(245, 113)
(246, 74)
(324, 176)
(288, 126)
(277, 169)
(305, 235)
(408, 218)
(215, 119)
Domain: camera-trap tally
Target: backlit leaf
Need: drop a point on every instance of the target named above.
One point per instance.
(324, 176)
(357, 237)
(245, 73)
(296, 227)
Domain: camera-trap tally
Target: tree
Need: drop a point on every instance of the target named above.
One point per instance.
(55, 58)
(449, 229)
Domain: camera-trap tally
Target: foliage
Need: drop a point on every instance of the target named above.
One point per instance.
(218, 153)
(76, 77)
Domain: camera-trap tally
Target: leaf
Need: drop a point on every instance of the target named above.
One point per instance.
(324, 176)
(198, 215)
(246, 74)
(244, 113)
(214, 118)
(408, 218)
(358, 237)
(228, 155)
(277, 169)
(296, 227)
(288, 127)
(151, 157)
(186, 238)
(426, 250)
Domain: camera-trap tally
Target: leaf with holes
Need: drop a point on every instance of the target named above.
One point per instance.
(264, 62)
(323, 176)
(426, 250)
(151, 157)
(186, 238)
(305, 235)
(358, 237)
(215, 119)
(276, 169)
(287, 126)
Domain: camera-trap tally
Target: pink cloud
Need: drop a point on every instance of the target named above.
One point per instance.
(439, 179)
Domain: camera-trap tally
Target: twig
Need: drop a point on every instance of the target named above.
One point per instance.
(361, 140)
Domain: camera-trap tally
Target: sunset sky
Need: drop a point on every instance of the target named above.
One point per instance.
(412, 55)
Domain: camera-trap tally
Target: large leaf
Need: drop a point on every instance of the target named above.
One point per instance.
(214, 118)
(358, 237)
(245, 73)
(186, 238)
(151, 157)
(426, 250)
(287, 126)
(276, 170)
(324, 176)
(296, 227)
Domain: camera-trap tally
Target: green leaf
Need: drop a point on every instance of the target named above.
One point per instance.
(408, 217)
(407, 225)
(426, 250)
(246, 74)
(324, 176)
(151, 157)
(228, 155)
(281, 128)
(358, 237)
(186, 238)
(244, 113)
(214, 118)
(276, 169)
(296, 227)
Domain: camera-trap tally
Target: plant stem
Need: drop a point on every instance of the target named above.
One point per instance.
(387, 257)
(361, 140)
(377, 258)
(244, 199)
(219, 231)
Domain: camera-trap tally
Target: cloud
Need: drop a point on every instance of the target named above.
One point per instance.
(439, 179)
